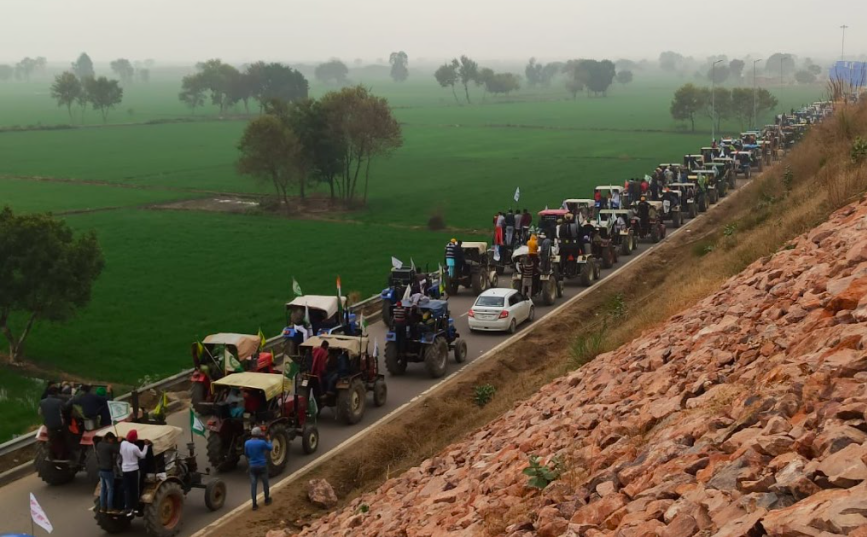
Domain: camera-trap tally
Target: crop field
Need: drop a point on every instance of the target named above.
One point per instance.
(173, 276)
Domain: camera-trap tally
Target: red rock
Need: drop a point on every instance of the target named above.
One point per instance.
(845, 467)
(596, 512)
(320, 493)
(683, 525)
(774, 445)
(744, 526)
(838, 511)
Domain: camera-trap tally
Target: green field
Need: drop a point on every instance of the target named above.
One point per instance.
(174, 276)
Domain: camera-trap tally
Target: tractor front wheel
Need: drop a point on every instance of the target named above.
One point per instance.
(215, 494)
(380, 392)
(351, 402)
(110, 523)
(549, 291)
(309, 439)
(436, 358)
(460, 351)
(476, 284)
(279, 454)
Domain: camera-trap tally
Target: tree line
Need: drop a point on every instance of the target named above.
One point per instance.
(81, 87)
(333, 140)
(720, 103)
(466, 71)
(720, 69)
(23, 69)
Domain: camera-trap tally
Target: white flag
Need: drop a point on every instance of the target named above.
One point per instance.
(411, 264)
(376, 348)
(38, 515)
(496, 253)
(119, 410)
(517, 194)
(406, 296)
(396, 263)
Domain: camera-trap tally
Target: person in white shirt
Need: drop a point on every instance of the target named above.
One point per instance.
(130, 454)
(615, 200)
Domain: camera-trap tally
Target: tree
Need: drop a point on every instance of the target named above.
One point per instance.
(46, 273)
(736, 68)
(815, 69)
(6, 72)
(687, 102)
(777, 61)
(717, 105)
(103, 94)
(270, 151)
(805, 77)
(533, 72)
(468, 72)
(765, 102)
(324, 152)
(270, 81)
(577, 76)
(83, 67)
(447, 75)
(670, 61)
(742, 105)
(485, 79)
(624, 77)
(551, 70)
(220, 79)
(66, 90)
(626, 65)
(601, 76)
(399, 66)
(123, 69)
(25, 68)
(364, 128)
(718, 74)
(504, 83)
(193, 91)
(332, 72)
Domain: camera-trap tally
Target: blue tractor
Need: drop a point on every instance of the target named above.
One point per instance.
(398, 281)
(427, 336)
(312, 315)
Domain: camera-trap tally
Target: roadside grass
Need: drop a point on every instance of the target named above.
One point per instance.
(19, 401)
(654, 289)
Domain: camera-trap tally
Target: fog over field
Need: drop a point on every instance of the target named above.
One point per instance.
(430, 31)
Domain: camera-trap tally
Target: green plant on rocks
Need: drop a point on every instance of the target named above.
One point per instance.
(483, 394)
(542, 475)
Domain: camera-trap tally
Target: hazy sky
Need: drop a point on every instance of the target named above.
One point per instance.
(310, 30)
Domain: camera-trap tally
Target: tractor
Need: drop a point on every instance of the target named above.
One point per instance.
(476, 270)
(649, 225)
(427, 336)
(538, 278)
(312, 315)
(223, 354)
(622, 235)
(398, 281)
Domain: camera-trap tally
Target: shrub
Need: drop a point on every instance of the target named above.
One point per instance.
(483, 394)
(858, 151)
(588, 346)
(542, 476)
(788, 179)
(436, 222)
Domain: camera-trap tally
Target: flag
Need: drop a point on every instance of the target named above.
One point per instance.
(411, 264)
(517, 194)
(262, 339)
(339, 299)
(442, 285)
(296, 288)
(162, 406)
(396, 263)
(406, 295)
(376, 348)
(306, 315)
(200, 349)
(363, 323)
(38, 515)
(292, 369)
(312, 409)
(119, 410)
(196, 425)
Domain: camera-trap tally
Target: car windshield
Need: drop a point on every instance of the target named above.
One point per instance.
(490, 301)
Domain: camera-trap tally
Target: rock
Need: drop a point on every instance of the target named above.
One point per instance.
(605, 488)
(774, 445)
(792, 480)
(839, 511)
(683, 525)
(744, 526)
(845, 467)
(320, 493)
(596, 512)
(277, 533)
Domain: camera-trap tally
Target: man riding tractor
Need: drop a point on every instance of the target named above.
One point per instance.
(537, 275)
(617, 222)
(671, 207)
(340, 374)
(313, 315)
(647, 221)
(425, 336)
(687, 192)
(575, 251)
(472, 268)
(165, 478)
(267, 401)
(398, 281)
(223, 354)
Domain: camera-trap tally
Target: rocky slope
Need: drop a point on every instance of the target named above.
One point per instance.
(742, 416)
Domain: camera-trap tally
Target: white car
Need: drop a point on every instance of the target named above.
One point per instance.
(500, 310)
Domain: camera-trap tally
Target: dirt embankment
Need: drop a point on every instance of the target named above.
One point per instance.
(744, 415)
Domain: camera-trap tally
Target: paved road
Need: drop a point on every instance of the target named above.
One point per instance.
(68, 507)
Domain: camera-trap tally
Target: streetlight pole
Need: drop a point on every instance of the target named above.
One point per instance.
(843, 43)
(755, 114)
(782, 57)
(713, 100)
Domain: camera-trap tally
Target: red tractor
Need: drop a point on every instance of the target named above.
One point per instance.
(223, 354)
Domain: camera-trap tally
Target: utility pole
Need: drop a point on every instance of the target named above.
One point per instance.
(713, 100)
(782, 57)
(755, 119)
(843, 43)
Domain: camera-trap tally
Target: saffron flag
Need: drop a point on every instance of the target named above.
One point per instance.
(38, 515)
(339, 299)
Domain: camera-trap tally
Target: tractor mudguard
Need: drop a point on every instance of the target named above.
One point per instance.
(265, 362)
(150, 489)
(387, 294)
(342, 384)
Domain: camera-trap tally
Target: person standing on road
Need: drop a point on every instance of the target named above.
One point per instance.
(106, 459)
(130, 454)
(255, 450)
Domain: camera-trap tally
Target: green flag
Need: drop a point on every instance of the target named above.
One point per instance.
(296, 288)
(196, 424)
(291, 369)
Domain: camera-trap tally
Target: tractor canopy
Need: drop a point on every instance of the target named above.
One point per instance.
(520, 252)
(556, 213)
(273, 384)
(243, 345)
(163, 437)
(574, 204)
(480, 247)
(353, 345)
(437, 308)
(325, 304)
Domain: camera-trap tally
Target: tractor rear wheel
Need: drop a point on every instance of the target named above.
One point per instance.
(494, 281)
(607, 257)
(393, 363)
(279, 454)
(693, 212)
(676, 219)
(460, 351)
(380, 392)
(218, 454)
(110, 523)
(164, 517)
(588, 273)
(351, 402)
(91, 465)
(436, 358)
(654, 233)
(477, 284)
(625, 243)
(50, 472)
(549, 292)
(702, 205)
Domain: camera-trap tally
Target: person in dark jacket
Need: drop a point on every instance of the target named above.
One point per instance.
(93, 406)
(51, 409)
(106, 459)
(510, 228)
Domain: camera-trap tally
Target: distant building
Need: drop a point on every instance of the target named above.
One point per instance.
(854, 73)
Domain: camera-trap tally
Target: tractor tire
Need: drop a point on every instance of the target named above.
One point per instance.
(500, 270)
(588, 273)
(549, 292)
(393, 363)
(50, 472)
(676, 219)
(351, 403)
(460, 351)
(164, 517)
(197, 395)
(516, 284)
(693, 211)
(215, 494)
(625, 245)
(732, 182)
(309, 439)
(452, 288)
(654, 233)
(560, 287)
(436, 358)
(608, 259)
(380, 392)
(217, 456)
(494, 281)
(532, 316)
(110, 523)
(387, 317)
(91, 466)
(702, 205)
(477, 284)
(278, 457)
